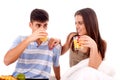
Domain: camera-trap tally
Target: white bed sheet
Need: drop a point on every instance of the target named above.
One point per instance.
(81, 71)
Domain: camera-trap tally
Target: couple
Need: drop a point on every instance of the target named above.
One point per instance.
(35, 57)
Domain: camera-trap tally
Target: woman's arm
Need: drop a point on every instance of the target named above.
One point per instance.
(95, 57)
(54, 41)
(68, 42)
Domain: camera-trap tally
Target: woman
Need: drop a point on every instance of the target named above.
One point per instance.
(89, 58)
(92, 47)
(90, 39)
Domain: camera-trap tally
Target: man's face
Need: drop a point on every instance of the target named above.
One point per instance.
(36, 25)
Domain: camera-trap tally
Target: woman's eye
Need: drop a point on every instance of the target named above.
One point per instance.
(80, 23)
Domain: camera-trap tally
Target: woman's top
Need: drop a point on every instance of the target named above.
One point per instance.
(76, 56)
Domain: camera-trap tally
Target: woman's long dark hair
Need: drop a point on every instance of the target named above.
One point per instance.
(92, 28)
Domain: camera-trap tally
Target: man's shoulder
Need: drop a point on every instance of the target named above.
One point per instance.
(21, 37)
(58, 46)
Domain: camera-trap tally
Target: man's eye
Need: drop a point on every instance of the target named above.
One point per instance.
(38, 25)
(45, 26)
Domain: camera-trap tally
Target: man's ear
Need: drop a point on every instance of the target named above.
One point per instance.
(30, 24)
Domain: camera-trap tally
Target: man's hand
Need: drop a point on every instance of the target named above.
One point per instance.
(38, 34)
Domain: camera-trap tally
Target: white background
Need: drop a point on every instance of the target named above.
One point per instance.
(14, 20)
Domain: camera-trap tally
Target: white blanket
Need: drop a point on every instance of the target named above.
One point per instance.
(82, 71)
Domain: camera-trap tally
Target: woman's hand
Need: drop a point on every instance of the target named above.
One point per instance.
(86, 41)
(95, 57)
(53, 42)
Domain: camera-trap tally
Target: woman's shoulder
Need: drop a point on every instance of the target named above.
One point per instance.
(71, 34)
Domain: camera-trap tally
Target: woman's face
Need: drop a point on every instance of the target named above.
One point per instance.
(80, 26)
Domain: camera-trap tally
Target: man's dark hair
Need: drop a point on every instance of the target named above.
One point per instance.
(39, 15)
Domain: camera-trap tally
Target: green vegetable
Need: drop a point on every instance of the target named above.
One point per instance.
(20, 76)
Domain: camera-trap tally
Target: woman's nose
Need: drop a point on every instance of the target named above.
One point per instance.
(77, 26)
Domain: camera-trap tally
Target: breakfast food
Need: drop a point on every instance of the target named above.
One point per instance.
(20, 76)
(7, 77)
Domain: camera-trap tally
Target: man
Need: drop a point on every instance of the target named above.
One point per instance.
(32, 52)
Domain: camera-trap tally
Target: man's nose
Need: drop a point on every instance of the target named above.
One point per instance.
(41, 28)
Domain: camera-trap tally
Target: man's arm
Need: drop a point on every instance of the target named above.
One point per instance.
(57, 72)
(13, 54)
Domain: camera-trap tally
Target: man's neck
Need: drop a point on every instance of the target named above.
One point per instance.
(38, 42)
